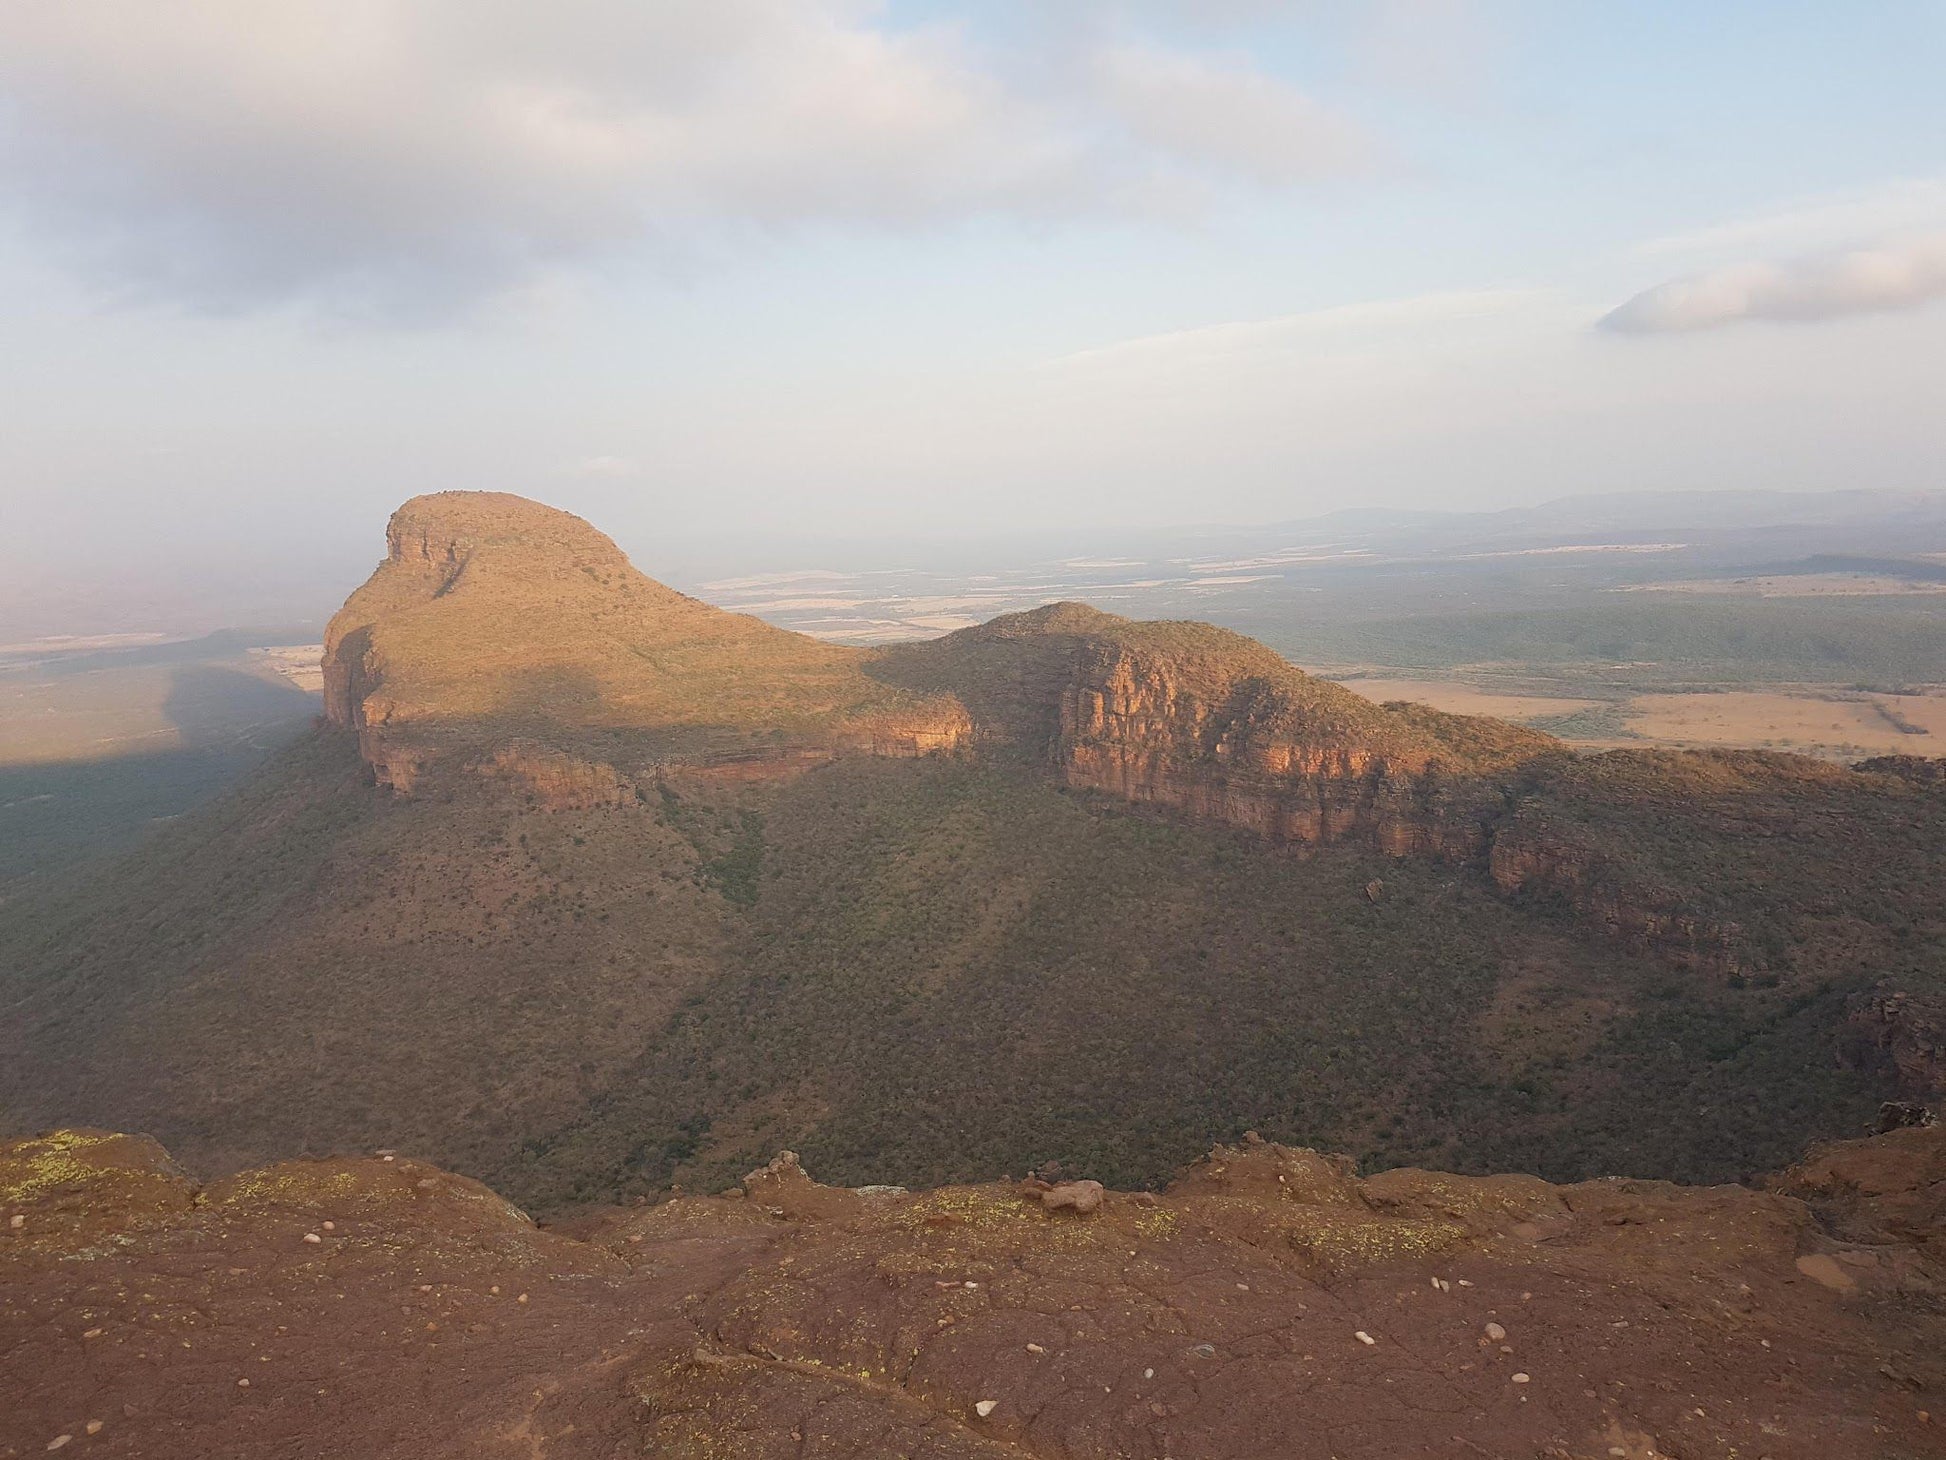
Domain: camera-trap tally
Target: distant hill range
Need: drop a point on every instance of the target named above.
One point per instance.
(584, 886)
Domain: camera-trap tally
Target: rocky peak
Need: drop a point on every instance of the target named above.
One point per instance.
(493, 618)
(440, 532)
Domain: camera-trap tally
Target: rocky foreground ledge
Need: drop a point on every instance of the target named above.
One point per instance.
(1268, 1304)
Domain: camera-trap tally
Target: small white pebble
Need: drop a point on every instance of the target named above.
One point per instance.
(312, 1237)
(92, 1427)
(16, 1221)
(1148, 1373)
(243, 1383)
(986, 1407)
(1363, 1337)
(1243, 1287)
(388, 1158)
(521, 1299)
(58, 1441)
(495, 1290)
(330, 1226)
(1519, 1378)
(1034, 1348)
(969, 1285)
(1464, 1283)
(1495, 1332)
(92, 1333)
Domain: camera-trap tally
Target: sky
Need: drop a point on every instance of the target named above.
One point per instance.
(832, 268)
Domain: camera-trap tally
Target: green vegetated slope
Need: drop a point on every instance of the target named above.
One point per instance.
(312, 964)
(56, 816)
(950, 971)
(908, 970)
(582, 980)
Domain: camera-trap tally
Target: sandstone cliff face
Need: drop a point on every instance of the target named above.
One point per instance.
(1129, 726)
(1524, 858)
(558, 781)
(1907, 1034)
(1219, 728)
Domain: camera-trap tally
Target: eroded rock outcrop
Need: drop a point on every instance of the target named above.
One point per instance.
(558, 781)
(1906, 1034)
(1216, 726)
(1531, 857)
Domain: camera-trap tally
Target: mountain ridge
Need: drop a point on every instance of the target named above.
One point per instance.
(586, 887)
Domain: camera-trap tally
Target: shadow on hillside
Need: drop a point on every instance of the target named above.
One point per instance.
(213, 706)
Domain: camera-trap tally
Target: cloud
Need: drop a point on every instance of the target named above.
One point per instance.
(1896, 274)
(1226, 112)
(1897, 206)
(423, 154)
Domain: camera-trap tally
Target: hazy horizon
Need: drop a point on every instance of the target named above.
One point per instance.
(829, 270)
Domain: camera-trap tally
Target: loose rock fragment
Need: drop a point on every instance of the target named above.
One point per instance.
(986, 1407)
(1495, 1332)
(1519, 1378)
(313, 1238)
(1363, 1337)
(1083, 1196)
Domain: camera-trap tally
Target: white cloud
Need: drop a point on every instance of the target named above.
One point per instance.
(1898, 273)
(427, 153)
(1226, 112)
(1826, 221)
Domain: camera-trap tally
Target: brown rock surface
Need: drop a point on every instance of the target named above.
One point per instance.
(493, 616)
(1215, 725)
(1269, 1305)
